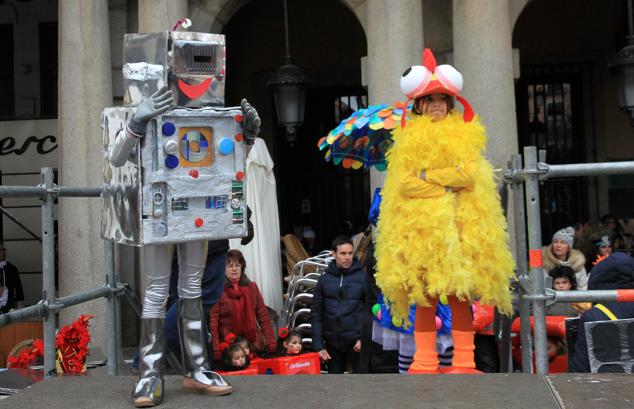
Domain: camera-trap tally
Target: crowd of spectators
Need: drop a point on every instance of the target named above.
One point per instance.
(341, 319)
(586, 257)
(579, 257)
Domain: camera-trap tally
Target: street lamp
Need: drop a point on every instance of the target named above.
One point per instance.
(623, 67)
(289, 86)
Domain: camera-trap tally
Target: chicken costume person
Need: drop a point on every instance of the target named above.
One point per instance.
(441, 231)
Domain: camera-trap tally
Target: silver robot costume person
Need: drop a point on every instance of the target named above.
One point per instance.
(175, 175)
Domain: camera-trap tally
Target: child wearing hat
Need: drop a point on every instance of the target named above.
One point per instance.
(441, 232)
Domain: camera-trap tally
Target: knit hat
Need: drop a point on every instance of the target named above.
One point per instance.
(420, 80)
(566, 234)
(604, 241)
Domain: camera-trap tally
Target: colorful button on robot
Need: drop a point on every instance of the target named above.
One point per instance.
(171, 161)
(239, 175)
(168, 129)
(199, 222)
(225, 146)
(193, 173)
(239, 137)
(238, 118)
(170, 147)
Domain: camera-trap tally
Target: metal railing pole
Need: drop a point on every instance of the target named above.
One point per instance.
(17, 221)
(625, 295)
(588, 169)
(522, 268)
(48, 272)
(535, 257)
(113, 333)
(37, 310)
(81, 297)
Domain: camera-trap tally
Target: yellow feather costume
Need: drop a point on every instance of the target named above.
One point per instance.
(432, 241)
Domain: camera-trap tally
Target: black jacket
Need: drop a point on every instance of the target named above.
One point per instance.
(614, 273)
(338, 307)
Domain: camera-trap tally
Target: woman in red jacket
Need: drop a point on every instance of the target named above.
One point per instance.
(241, 310)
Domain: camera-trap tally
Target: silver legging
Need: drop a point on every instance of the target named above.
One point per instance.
(158, 268)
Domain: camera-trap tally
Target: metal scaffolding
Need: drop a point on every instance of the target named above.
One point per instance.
(524, 183)
(49, 306)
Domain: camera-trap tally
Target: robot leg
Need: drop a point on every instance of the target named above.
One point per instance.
(198, 376)
(149, 390)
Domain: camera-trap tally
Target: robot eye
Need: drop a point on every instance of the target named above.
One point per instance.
(414, 80)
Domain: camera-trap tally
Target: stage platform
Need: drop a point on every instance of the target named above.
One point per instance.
(570, 391)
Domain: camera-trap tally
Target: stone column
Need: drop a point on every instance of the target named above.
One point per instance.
(483, 54)
(160, 15)
(395, 42)
(85, 88)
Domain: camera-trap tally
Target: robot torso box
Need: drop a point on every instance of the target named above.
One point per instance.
(184, 180)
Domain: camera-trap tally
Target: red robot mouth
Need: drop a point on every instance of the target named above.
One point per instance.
(194, 91)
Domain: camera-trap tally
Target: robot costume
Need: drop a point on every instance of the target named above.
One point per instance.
(174, 174)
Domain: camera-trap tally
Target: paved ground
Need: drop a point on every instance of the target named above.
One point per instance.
(347, 391)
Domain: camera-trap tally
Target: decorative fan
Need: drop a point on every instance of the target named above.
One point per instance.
(362, 140)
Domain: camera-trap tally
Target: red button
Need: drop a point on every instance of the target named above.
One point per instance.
(240, 175)
(239, 137)
(199, 222)
(238, 118)
(193, 173)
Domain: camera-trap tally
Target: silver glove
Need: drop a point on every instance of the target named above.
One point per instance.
(250, 122)
(152, 105)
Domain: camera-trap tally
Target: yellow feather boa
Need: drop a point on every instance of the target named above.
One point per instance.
(455, 244)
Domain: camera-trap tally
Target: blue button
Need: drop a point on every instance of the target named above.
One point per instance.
(225, 146)
(171, 161)
(168, 129)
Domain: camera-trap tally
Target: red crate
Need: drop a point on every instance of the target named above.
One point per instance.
(249, 371)
(302, 364)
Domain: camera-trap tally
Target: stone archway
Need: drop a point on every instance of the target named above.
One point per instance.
(330, 53)
(212, 15)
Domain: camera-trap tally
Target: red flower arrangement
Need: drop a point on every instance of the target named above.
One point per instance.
(27, 357)
(72, 346)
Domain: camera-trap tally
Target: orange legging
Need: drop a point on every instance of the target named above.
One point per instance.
(461, 318)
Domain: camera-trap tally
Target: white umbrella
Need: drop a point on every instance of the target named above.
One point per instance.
(263, 254)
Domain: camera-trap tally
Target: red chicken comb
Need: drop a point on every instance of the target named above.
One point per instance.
(429, 60)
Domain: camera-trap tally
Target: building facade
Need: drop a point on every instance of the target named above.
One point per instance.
(534, 70)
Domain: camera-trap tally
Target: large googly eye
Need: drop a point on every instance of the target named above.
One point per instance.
(449, 77)
(414, 80)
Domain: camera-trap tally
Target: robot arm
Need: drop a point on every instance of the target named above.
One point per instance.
(251, 123)
(156, 104)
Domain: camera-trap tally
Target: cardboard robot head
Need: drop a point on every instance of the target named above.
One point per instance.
(191, 64)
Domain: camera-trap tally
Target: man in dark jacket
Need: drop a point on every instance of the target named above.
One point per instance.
(613, 273)
(10, 284)
(338, 309)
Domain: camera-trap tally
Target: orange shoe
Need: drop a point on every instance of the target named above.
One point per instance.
(453, 370)
(411, 371)
(462, 362)
(425, 359)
